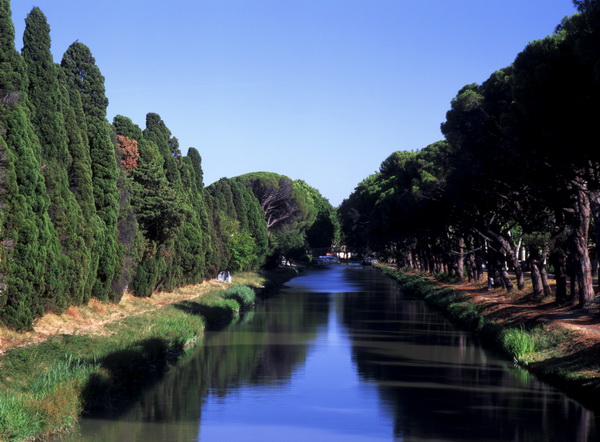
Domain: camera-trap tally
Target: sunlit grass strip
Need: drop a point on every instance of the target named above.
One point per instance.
(44, 388)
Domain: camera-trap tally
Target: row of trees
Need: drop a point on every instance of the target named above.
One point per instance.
(91, 209)
(515, 183)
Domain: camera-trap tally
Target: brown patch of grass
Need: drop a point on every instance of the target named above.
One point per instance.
(91, 318)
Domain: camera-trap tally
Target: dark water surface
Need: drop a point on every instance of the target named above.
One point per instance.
(341, 355)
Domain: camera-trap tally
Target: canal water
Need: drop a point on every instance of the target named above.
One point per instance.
(340, 354)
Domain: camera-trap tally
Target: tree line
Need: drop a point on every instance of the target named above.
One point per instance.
(515, 183)
(90, 208)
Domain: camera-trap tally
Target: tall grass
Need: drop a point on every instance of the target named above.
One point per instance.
(245, 296)
(52, 401)
(517, 342)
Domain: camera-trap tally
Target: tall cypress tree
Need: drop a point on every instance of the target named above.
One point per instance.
(32, 277)
(84, 76)
(157, 131)
(196, 162)
(200, 204)
(47, 104)
(80, 180)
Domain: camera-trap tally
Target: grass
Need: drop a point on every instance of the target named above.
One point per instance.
(517, 342)
(45, 387)
(245, 296)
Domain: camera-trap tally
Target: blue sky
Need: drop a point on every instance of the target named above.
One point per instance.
(319, 90)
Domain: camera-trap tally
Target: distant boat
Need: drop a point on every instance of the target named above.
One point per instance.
(326, 260)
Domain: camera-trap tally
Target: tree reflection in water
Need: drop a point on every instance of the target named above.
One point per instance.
(356, 360)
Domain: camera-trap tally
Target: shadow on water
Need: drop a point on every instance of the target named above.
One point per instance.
(425, 380)
(440, 386)
(167, 404)
(216, 316)
(137, 368)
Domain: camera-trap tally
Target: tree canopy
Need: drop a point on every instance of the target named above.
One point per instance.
(514, 185)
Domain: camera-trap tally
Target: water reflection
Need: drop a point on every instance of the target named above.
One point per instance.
(340, 354)
(443, 387)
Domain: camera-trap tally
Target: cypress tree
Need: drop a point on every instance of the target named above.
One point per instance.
(44, 90)
(200, 204)
(32, 277)
(196, 161)
(190, 244)
(168, 146)
(84, 76)
(80, 181)
(127, 128)
(157, 209)
(47, 103)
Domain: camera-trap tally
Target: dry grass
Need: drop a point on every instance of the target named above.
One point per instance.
(91, 318)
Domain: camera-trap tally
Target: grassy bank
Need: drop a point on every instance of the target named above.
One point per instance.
(45, 387)
(554, 353)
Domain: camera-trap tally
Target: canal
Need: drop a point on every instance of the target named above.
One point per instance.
(340, 354)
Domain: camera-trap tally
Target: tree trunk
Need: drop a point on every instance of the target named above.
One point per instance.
(471, 267)
(479, 266)
(580, 248)
(536, 281)
(559, 262)
(508, 247)
(544, 272)
(595, 208)
(460, 259)
(508, 285)
(491, 282)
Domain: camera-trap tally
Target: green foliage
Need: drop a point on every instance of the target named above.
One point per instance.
(84, 77)
(148, 273)
(77, 221)
(196, 162)
(244, 295)
(240, 230)
(47, 103)
(168, 146)
(124, 126)
(517, 342)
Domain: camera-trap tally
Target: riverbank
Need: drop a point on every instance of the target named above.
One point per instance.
(93, 356)
(559, 344)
